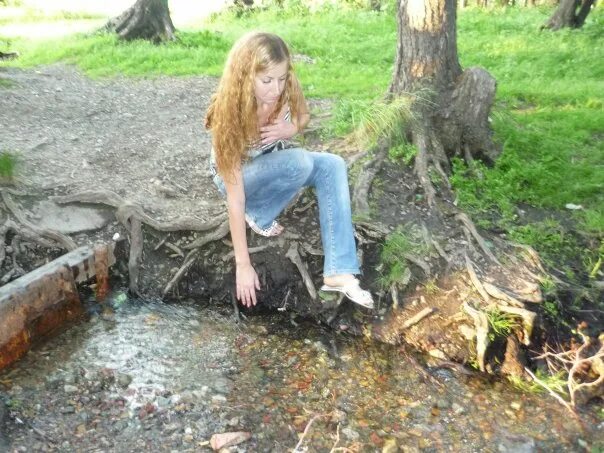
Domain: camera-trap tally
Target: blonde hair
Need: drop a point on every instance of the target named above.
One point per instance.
(232, 114)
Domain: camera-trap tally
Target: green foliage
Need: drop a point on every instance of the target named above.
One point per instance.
(500, 324)
(393, 266)
(393, 253)
(5, 83)
(383, 120)
(404, 152)
(556, 382)
(593, 261)
(8, 162)
(555, 245)
(13, 3)
(548, 286)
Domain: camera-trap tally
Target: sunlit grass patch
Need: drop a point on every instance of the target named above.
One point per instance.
(8, 164)
(103, 54)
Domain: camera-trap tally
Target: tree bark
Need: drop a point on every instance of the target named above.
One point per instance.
(146, 19)
(566, 14)
(453, 106)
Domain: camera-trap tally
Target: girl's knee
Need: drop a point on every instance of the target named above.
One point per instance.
(335, 163)
(300, 165)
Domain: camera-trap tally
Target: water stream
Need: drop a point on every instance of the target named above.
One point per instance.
(149, 376)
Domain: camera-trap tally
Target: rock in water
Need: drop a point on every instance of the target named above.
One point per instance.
(223, 440)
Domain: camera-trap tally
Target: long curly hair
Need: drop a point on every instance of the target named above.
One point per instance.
(232, 114)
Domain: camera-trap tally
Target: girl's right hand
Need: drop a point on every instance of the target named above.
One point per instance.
(247, 284)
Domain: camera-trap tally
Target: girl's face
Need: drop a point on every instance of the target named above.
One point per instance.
(269, 84)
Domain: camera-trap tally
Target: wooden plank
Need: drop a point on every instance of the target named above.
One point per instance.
(43, 300)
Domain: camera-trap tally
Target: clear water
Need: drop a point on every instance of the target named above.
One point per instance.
(158, 377)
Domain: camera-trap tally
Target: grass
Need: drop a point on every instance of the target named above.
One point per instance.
(393, 267)
(548, 114)
(8, 162)
(500, 324)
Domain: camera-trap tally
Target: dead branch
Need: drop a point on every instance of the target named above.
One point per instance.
(295, 258)
(306, 430)
(573, 362)
(418, 317)
(60, 238)
(188, 262)
(551, 392)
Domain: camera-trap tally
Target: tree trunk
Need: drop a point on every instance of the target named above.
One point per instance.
(566, 14)
(146, 19)
(455, 118)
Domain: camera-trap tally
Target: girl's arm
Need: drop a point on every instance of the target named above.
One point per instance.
(246, 279)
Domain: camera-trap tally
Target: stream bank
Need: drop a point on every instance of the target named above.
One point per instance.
(146, 375)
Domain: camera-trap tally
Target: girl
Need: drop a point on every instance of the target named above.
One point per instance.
(257, 107)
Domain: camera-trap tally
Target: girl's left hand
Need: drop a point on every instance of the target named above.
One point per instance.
(279, 130)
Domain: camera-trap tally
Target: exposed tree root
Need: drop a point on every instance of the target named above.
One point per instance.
(220, 232)
(528, 320)
(65, 241)
(418, 262)
(136, 253)
(495, 292)
(481, 242)
(481, 323)
(372, 229)
(251, 250)
(295, 258)
(431, 242)
(360, 194)
(421, 166)
(109, 198)
(28, 234)
(475, 280)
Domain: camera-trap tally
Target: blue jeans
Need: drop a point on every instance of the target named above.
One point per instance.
(271, 181)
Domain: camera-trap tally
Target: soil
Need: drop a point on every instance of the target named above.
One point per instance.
(141, 138)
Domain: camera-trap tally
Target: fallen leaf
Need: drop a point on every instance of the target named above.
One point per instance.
(377, 440)
(222, 440)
